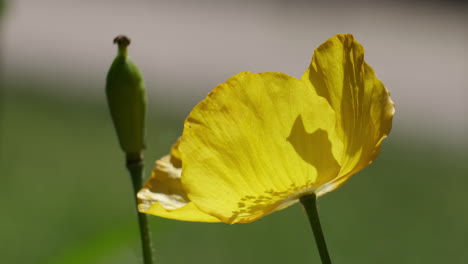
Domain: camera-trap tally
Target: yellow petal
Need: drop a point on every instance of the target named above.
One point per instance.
(363, 106)
(163, 194)
(255, 145)
(259, 142)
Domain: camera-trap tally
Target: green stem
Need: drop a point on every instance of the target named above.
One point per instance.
(310, 205)
(135, 167)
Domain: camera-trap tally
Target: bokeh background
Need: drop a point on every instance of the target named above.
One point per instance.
(65, 196)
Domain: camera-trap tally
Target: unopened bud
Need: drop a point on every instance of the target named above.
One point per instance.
(126, 96)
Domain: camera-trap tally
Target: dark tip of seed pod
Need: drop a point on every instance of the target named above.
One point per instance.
(122, 40)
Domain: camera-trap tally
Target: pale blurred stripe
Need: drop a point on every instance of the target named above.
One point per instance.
(185, 48)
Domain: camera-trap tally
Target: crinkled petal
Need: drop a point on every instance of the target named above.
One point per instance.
(259, 142)
(163, 194)
(256, 144)
(362, 104)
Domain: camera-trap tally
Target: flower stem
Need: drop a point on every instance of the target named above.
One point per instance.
(310, 205)
(135, 167)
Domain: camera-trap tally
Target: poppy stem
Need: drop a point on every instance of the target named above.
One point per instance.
(135, 167)
(310, 205)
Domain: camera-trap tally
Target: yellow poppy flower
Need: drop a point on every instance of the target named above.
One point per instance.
(261, 141)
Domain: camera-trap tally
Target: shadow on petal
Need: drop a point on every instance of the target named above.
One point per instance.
(316, 149)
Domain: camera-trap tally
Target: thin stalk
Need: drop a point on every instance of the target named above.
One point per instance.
(135, 167)
(310, 205)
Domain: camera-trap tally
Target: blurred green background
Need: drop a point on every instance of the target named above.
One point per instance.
(66, 197)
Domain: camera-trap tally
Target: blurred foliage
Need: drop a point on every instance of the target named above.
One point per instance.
(2, 7)
(66, 198)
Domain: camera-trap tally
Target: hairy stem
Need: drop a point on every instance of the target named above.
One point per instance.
(135, 167)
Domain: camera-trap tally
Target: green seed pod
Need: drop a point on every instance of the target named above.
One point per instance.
(126, 96)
